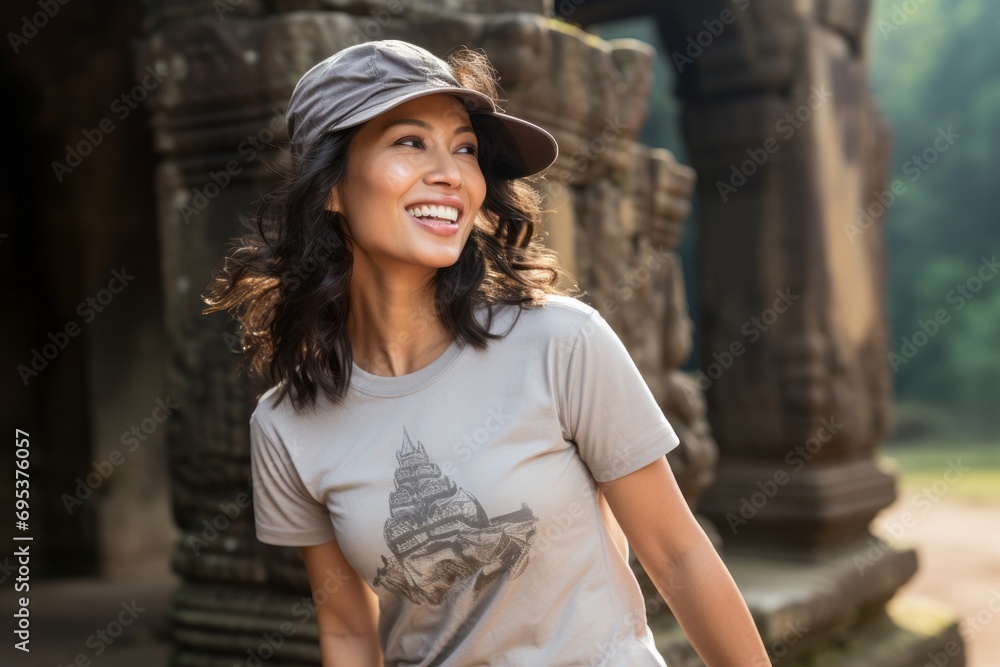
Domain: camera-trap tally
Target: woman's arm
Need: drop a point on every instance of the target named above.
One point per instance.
(684, 566)
(346, 609)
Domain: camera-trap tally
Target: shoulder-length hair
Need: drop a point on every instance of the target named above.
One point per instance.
(286, 281)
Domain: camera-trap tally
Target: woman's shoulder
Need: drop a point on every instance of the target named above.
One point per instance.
(556, 316)
(562, 309)
(269, 410)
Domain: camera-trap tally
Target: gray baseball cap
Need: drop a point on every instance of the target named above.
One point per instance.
(362, 81)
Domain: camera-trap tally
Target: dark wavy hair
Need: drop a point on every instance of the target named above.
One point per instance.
(286, 281)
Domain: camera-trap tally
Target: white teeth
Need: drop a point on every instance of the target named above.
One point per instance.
(435, 211)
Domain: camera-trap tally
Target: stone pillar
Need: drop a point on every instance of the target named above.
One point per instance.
(788, 144)
(218, 116)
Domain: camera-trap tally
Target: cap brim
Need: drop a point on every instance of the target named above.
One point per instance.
(523, 148)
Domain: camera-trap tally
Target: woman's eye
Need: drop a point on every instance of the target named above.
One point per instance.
(417, 142)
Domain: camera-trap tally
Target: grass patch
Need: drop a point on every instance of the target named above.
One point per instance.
(923, 463)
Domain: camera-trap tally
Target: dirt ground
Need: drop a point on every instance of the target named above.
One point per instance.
(958, 544)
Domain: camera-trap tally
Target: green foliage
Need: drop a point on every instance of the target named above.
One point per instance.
(936, 64)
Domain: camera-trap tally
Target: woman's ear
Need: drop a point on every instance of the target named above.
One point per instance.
(333, 200)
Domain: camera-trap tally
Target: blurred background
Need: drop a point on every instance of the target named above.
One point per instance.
(110, 227)
(932, 66)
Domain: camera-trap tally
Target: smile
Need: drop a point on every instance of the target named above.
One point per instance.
(440, 212)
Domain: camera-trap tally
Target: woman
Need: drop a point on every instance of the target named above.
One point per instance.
(458, 429)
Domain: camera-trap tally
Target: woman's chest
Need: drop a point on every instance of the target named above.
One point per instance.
(427, 498)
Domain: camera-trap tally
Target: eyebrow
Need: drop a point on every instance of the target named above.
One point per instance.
(426, 125)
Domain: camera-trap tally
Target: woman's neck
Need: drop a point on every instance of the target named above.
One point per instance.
(395, 332)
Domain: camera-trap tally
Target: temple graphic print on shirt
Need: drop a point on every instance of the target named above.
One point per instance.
(440, 536)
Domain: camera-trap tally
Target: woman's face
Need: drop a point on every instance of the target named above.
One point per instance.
(410, 173)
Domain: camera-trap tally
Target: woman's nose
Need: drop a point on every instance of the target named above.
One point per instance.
(444, 168)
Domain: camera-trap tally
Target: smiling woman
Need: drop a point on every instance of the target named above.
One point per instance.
(458, 425)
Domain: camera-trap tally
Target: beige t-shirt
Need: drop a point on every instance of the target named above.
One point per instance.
(464, 494)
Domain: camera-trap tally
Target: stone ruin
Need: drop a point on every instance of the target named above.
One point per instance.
(780, 428)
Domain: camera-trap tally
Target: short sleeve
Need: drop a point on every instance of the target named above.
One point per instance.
(608, 409)
(284, 512)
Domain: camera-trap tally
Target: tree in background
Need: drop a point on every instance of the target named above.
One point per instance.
(935, 67)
